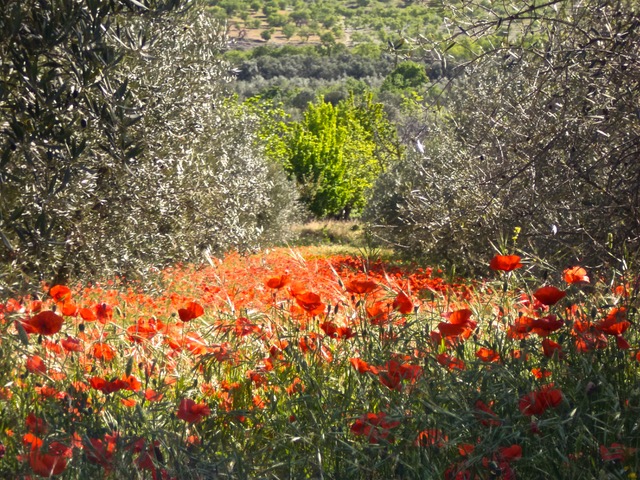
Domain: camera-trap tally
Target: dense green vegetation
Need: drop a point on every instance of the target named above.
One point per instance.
(335, 153)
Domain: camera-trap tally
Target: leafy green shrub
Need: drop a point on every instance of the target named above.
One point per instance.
(407, 75)
(336, 152)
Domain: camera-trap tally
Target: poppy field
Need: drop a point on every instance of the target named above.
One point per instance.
(285, 365)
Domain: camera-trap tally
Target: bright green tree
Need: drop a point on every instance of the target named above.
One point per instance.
(336, 152)
(406, 76)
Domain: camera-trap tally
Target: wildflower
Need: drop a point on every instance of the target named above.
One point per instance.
(486, 415)
(100, 451)
(51, 463)
(310, 302)
(537, 402)
(575, 275)
(505, 263)
(508, 454)
(103, 312)
(191, 311)
(374, 426)
(71, 344)
(540, 374)
(278, 281)
(36, 425)
(360, 286)
(60, 293)
(44, 323)
(459, 324)
(143, 329)
(616, 452)
(87, 314)
(549, 349)
(487, 355)
(35, 364)
(450, 362)
(192, 412)
(403, 303)
(378, 313)
(545, 326)
(362, 367)
(244, 327)
(615, 323)
(394, 372)
(549, 295)
(103, 351)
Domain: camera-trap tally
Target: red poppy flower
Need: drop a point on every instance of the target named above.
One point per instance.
(152, 396)
(363, 367)
(550, 348)
(51, 463)
(244, 327)
(537, 402)
(487, 355)
(44, 323)
(615, 322)
(192, 412)
(403, 303)
(278, 281)
(100, 451)
(622, 343)
(87, 314)
(540, 374)
(616, 452)
(460, 317)
(60, 293)
(103, 312)
(191, 311)
(466, 449)
(449, 330)
(378, 313)
(69, 309)
(505, 263)
(103, 351)
(508, 454)
(310, 302)
(144, 329)
(374, 426)
(35, 364)
(460, 324)
(360, 287)
(549, 295)
(394, 372)
(36, 425)
(106, 386)
(545, 326)
(450, 362)
(575, 275)
(486, 415)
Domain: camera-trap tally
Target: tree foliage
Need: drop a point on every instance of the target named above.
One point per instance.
(406, 76)
(336, 152)
(118, 150)
(540, 132)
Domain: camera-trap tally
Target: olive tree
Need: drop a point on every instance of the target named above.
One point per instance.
(539, 131)
(119, 150)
